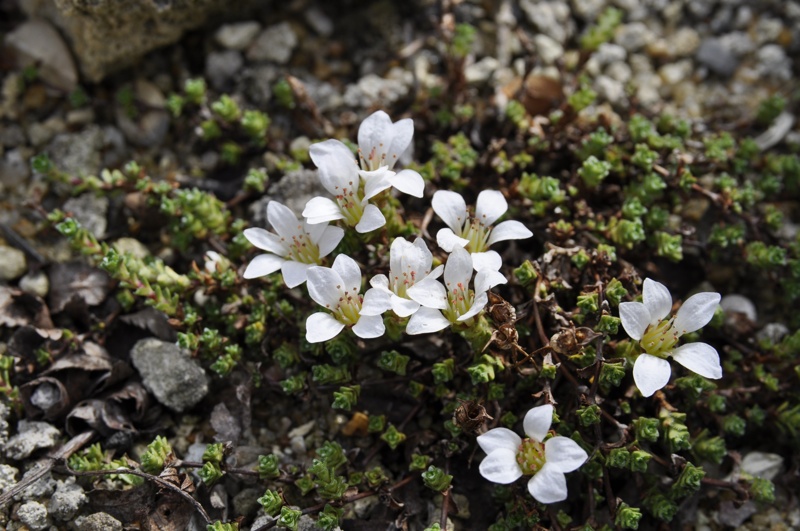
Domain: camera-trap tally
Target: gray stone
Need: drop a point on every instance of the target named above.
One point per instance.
(34, 515)
(610, 90)
(738, 43)
(5, 412)
(633, 36)
(762, 465)
(78, 154)
(683, 42)
(481, 71)
(245, 503)
(90, 211)
(237, 36)
(66, 500)
(735, 303)
(14, 169)
(294, 190)
(221, 67)
(619, 71)
(169, 373)
(777, 131)
(767, 30)
(40, 133)
(553, 18)
(131, 246)
(717, 57)
(773, 333)
(274, 43)
(608, 53)
(149, 127)
(12, 263)
(108, 35)
(12, 135)
(307, 523)
(319, 21)
(8, 477)
(98, 522)
(549, 49)
(774, 63)
(325, 95)
(258, 83)
(372, 89)
(674, 73)
(38, 44)
(45, 396)
(31, 436)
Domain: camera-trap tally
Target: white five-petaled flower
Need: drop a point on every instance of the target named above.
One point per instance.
(380, 144)
(646, 322)
(456, 303)
(409, 263)
(296, 247)
(475, 233)
(509, 457)
(338, 289)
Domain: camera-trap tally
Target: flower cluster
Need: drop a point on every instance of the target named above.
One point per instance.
(412, 289)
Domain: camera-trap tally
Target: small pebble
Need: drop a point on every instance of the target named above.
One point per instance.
(12, 263)
(237, 36)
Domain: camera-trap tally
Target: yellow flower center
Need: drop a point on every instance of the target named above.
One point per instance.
(303, 250)
(349, 308)
(530, 456)
(659, 339)
(477, 234)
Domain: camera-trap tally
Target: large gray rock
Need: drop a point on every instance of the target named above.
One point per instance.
(107, 35)
(66, 500)
(34, 515)
(168, 371)
(36, 43)
(31, 436)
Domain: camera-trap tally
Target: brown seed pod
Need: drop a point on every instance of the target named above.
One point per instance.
(470, 416)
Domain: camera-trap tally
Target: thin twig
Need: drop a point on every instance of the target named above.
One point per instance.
(155, 479)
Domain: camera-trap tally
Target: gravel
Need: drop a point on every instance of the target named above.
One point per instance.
(12, 263)
(31, 436)
(275, 43)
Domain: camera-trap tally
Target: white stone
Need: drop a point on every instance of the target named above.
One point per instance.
(237, 36)
(276, 43)
(37, 44)
(674, 73)
(12, 263)
(739, 304)
(762, 464)
(34, 515)
(481, 71)
(610, 90)
(549, 49)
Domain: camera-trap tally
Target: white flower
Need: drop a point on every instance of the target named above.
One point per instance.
(646, 322)
(338, 288)
(380, 144)
(409, 263)
(475, 233)
(297, 245)
(455, 304)
(508, 457)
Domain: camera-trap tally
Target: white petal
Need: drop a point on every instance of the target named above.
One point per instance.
(325, 286)
(635, 318)
(657, 298)
(350, 272)
(376, 301)
(314, 230)
(330, 238)
(447, 240)
(480, 301)
(458, 269)
(401, 134)
(337, 165)
(371, 219)
(490, 205)
(487, 279)
(501, 466)
(425, 321)
(263, 264)
(429, 292)
(650, 373)
(294, 273)
(437, 271)
(266, 241)
(400, 248)
(564, 454)
(699, 358)
(374, 135)
(283, 220)
(409, 182)
(548, 485)
(376, 181)
(369, 326)
(322, 326)
(403, 307)
(425, 253)
(696, 312)
(380, 281)
(321, 209)
(451, 207)
(509, 230)
(499, 438)
(489, 260)
(537, 422)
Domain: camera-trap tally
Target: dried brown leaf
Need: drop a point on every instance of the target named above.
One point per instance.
(77, 280)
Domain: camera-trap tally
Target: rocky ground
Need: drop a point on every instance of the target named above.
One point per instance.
(79, 96)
